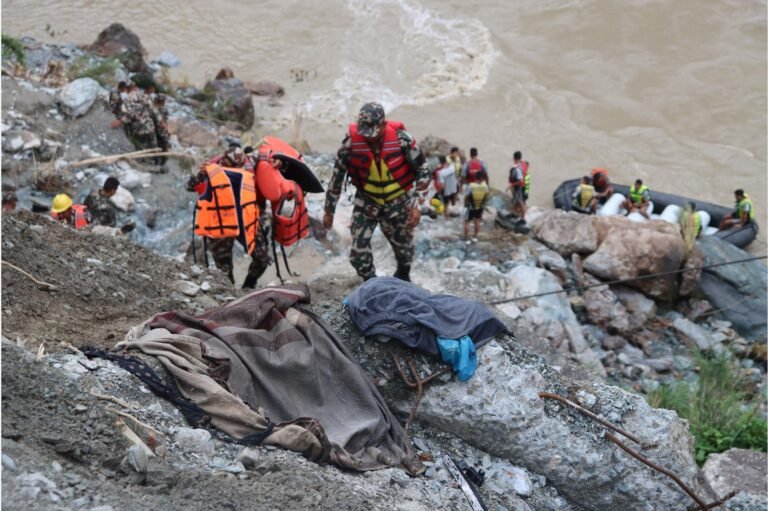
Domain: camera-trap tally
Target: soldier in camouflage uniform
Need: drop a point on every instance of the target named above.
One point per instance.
(103, 210)
(135, 116)
(391, 177)
(160, 120)
(221, 248)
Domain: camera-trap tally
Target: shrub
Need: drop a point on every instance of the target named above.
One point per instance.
(12, 47)
(102, 70)
(718, 409)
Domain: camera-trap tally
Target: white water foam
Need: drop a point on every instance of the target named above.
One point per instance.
(422, 58)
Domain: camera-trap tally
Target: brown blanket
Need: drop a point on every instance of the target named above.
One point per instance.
(260, 359)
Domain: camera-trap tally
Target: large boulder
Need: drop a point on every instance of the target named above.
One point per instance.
(738, 469)
(118, 41)
(566, 232)
(265, 88)
(630, 249)
(230, 100)
(78, 96)
(500, 411)
(737, 291)
(192, 132)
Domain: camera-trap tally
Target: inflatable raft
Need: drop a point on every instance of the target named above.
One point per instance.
(668, 207)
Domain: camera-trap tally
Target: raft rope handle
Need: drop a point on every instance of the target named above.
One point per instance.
(621, 281)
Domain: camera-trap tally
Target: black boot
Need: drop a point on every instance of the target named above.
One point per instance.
(249, 282)
(403, 272)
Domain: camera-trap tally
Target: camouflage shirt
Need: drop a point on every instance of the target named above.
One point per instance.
(101, 208)
(415, 195)
(136, 111)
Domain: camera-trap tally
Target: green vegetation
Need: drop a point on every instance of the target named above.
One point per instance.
(720, 412)
(12, 47)
(102, 70)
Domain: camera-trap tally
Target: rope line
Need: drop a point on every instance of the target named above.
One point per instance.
(621, 281)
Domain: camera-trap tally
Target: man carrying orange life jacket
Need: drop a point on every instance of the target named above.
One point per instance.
(221, 247)
(391, 177)
(65, 211)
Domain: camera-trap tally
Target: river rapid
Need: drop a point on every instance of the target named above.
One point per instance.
(670, 92)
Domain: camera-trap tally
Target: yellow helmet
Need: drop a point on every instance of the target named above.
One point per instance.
(61, 203)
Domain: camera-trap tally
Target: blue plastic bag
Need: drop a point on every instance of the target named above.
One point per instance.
(460, 354)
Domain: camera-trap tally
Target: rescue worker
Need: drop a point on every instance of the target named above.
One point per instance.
(583, 196)
(159, 117)
(9, 201)
(639, 199)
(454, 158)
(475, 199)
(603, 186)
(135, 117)
(742, 215)
(65, 211)
(221, 248)
(102, 209)
(391, 177)
(446, 182)
(690, 220)
(519, 185)
(473, 167)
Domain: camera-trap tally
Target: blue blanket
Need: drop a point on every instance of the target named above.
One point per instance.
(404, 311)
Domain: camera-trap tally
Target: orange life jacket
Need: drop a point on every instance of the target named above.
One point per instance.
(474, 167)
(382, 180)
(80, 216)
(228, 206)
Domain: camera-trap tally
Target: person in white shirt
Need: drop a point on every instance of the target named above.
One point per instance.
(447, 183)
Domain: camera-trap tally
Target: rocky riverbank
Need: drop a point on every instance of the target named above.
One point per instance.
(62, 290)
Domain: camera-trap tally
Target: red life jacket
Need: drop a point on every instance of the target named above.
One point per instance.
(274, 186)
(473, 170)
(382, 180)
(524, 167)
(80, 217)
(290, 229)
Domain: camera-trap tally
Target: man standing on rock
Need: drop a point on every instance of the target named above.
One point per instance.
(134, 114)
(391, 176)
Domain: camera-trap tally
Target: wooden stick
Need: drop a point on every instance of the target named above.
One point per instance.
(39, 282)
(113, 399)
(103, 159)
(129, 156)
(69, 346)
(132, 437)
(135, 420)
(167, 153)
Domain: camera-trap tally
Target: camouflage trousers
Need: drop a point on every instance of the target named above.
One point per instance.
(392, 219)
(141, 138)
(221, 249)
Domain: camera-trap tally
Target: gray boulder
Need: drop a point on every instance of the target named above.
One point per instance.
(230, 100)
(168, 59)
(737, 291)
(566, 232)
(77, 96)
(500, 411)
(738, 469)
(700, 336)
(265, 88)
